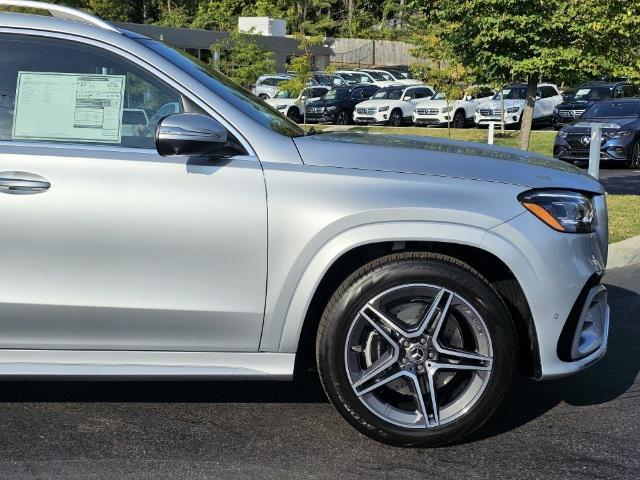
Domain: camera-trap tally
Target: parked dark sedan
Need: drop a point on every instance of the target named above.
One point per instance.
(338, 104)
(586, 95)
(620, 134)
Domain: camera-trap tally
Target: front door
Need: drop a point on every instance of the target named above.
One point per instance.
(106, 245)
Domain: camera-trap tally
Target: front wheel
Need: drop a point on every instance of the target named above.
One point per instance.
(416, 349)
(395, 119)
(342, 118)
(459, 119)
(634, 163)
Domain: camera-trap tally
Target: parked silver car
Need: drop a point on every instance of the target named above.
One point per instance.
(418, 275)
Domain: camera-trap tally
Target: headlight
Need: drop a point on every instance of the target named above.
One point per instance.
(446, 109)
(331, 108)
(280, 107)
(555, 109)
(563, 134)
(383, 109)
(477, 109)
(565, 211)
(619, 134)
(513, 109)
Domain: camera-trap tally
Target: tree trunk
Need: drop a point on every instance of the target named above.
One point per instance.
(527, 114)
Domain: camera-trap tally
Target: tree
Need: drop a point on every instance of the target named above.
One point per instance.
(242, 59)
(534, 39)
(301, 67)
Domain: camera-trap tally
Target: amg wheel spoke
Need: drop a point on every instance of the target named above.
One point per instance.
(434, 401)
(432, 421)
(381, 381)
(378, 319)
(452, 359)
(436, 314)
(377, 367)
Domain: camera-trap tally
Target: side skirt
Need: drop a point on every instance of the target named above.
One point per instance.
(114, 365)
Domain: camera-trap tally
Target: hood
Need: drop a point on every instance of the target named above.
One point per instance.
(436, 104)
(321, 102)
(581, 126)
(576, 105)
(379, 102)
(495, 104)
(280, 101)
(448, 158)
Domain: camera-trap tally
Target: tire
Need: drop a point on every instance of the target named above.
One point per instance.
(387, 411)
(459, 119)
(264, 96)
(342, 118)
(395, 119)
(294, 114)
(634, 163)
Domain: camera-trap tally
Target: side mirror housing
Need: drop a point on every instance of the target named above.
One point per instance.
(189, 135)
(408, 98)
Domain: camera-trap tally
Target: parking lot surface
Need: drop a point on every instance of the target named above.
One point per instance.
(587, 426)
(620, 181)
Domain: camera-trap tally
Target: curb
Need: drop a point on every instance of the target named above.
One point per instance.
(624, 253)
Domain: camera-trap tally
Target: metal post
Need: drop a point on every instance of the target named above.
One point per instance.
(492, 127)
(594, 150)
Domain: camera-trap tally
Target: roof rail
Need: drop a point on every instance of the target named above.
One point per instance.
(60, 11)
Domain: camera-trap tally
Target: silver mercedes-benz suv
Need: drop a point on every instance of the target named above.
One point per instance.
(218, 240)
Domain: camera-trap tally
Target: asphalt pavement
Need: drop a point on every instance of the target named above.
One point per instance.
(587, 426)
(620, 181)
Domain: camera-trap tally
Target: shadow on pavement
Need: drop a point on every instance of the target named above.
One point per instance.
(527, 400)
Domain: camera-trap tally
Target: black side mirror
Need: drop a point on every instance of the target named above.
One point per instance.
(189, 135)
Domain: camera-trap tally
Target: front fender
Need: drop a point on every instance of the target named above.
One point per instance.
(293, 318)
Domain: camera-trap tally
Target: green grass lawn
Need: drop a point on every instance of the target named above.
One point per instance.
(624, 217)
(541, 141)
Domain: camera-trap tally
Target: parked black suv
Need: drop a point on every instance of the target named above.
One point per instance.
(620, 134)
(337, 104)
(586, 95)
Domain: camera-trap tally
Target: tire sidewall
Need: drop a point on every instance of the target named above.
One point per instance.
(341, 313)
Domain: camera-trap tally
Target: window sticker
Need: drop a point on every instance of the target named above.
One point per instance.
(69, 107)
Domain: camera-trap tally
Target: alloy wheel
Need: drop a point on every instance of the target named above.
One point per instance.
(418, 356)
(458, 120)
(396, 119)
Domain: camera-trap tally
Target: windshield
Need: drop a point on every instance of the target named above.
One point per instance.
(228, 90)
(513, 93)
(440, 96)
(592, 93)
(612, 109)
(388, 93)
(283, 94)
(349, 78)
(380, 76)
(336, 93)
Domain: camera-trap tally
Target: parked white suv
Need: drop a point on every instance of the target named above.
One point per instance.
(373, 77)
(389, 76)
(437, 111)
(514, 101)
(294, 107)
(267, 85)
(392, 105)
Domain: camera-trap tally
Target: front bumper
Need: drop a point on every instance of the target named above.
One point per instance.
(439, 119)
(509, 118)
(615, 150)
(559, 274)
(371, 118)
(324, 117)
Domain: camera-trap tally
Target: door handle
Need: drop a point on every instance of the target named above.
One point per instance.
(23, 183)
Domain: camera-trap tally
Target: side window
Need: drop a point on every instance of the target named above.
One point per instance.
(412, 93)
(630, 90)
(618, 92)
(357, 94)
(369, 91)
(547, 92)
(61, 91)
